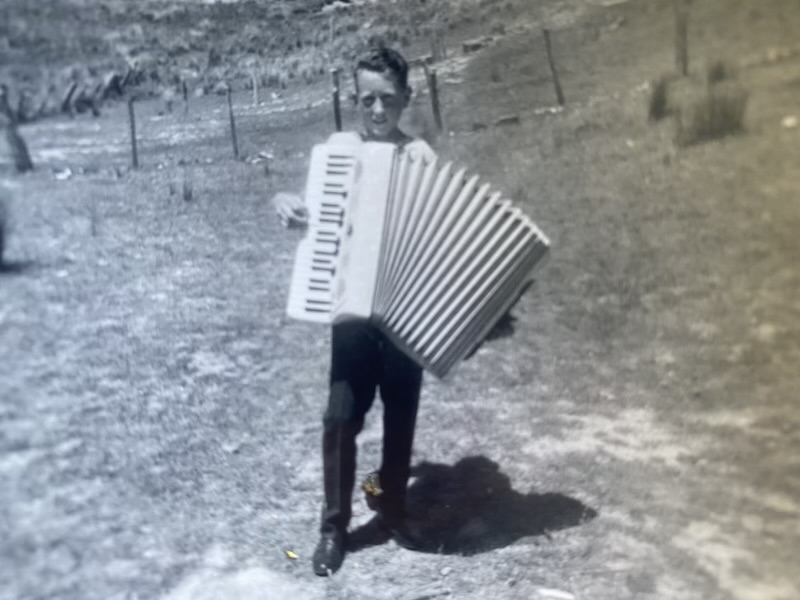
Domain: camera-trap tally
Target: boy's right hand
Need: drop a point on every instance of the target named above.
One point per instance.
(291, 210)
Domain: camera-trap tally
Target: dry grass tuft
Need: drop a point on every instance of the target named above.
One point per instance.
(714, 114)
(705, 108)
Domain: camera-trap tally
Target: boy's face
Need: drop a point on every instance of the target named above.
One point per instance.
(380, 103)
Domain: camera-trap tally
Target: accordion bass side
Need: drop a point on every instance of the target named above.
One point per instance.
(425, 252)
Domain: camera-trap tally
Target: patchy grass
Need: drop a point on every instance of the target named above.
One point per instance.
(160, 416)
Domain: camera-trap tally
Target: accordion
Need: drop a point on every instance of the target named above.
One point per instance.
(423, 251)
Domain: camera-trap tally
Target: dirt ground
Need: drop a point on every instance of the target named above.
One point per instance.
(638, 436)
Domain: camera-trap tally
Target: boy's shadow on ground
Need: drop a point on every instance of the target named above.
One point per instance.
(470, 507)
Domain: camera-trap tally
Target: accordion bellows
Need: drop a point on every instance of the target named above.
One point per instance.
(430, 255)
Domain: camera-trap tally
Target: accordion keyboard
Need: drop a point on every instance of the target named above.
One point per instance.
(330, 182)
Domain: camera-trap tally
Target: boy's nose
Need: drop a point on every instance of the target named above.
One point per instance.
(377, 107)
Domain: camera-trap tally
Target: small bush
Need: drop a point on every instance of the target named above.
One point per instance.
(716, 113)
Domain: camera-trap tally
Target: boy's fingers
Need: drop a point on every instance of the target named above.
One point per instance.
(285, 212)
(291, 210)
(292, 222)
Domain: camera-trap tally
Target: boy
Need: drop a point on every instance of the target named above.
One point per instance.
(363, 360)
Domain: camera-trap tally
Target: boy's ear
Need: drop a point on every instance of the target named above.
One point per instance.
(408, 93)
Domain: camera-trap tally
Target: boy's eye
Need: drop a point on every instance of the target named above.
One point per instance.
(386, 100)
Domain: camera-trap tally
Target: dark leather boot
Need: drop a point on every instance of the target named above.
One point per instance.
(329, 554)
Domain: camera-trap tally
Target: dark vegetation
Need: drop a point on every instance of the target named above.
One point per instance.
(704, 109)
(154, 48)
(717, 112)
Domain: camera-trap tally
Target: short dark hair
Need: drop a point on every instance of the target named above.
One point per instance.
(379, 58)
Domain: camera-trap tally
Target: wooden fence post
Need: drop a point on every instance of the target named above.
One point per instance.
(553, 71)
(438, 45)
(233, 124)
(254, 77)
(19, 149)
(337, 107)
(434, 91)
(185, 93)
(66, 102)
(682, 36)
(132, 119)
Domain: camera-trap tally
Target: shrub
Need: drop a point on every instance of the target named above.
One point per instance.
(716, 113)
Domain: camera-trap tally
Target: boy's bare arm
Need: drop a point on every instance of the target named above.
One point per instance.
(291, 210)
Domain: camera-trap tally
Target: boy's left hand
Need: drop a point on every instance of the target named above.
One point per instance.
(291, 210)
